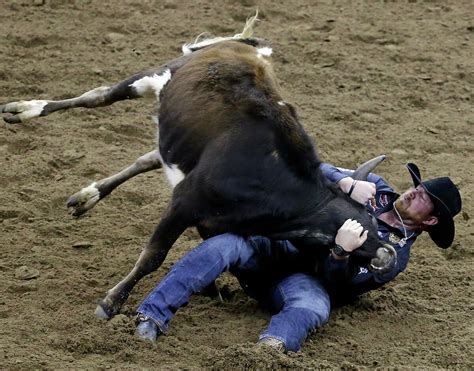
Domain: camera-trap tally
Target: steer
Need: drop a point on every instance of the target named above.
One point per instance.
(234, 151)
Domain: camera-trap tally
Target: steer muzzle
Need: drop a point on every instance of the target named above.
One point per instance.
(385, 260)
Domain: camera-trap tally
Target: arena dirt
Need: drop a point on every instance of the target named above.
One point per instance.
(367, 77)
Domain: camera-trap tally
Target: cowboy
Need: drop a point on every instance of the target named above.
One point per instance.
(283, 280)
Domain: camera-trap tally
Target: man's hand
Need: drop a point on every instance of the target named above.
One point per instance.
(351, 235)
(362, 191)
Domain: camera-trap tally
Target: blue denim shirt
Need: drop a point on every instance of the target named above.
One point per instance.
(344, 279)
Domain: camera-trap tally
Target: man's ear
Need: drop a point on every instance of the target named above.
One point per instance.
(431, 220)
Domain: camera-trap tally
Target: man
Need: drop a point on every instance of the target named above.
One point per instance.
(278, 276)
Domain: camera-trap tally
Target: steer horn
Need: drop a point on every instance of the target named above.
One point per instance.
(385, 260)
(363, 170)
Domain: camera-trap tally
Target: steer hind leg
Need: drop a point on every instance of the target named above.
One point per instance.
(147, 83)
(89, 196)
(171, 226)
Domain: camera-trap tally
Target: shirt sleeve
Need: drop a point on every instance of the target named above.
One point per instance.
(341, 277)
(335, 174)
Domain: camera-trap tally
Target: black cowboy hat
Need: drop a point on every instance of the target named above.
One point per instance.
(447, 203)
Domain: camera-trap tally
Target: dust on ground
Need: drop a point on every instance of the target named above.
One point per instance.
(367, 77)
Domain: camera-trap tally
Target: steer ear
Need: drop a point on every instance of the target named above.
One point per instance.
(385, 260)
(363, 170)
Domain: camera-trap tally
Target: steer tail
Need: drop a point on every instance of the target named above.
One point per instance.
(201, 41)
(247, 32)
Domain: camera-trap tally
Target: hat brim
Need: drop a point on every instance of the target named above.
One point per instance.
(442, 233)
(415, 174)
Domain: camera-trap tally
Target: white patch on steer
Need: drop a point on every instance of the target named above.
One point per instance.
(173, 174)
(281, 103)
(264, 52)
(89, 196)
(150, 85)
(29, 109)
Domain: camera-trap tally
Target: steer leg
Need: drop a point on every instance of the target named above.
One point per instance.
(140, 85)
(171, 226)
(89, 196)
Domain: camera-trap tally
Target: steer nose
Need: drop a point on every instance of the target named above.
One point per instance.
(385, 260)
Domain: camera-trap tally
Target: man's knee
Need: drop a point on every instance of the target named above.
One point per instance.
(317, 314)
(306, 293)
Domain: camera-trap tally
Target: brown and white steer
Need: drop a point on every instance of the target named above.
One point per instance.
(235, 153)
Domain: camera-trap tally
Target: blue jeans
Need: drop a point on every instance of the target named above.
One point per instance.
(269, 271)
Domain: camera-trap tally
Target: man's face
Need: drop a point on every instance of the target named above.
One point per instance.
(415, 207)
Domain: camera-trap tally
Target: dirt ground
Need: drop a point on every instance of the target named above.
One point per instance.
(367, 77)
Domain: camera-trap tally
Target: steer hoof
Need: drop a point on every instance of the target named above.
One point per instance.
(104, 311)
(100, 313)
(84, 200)
(9, 108)
(23, 110)
(10, 119)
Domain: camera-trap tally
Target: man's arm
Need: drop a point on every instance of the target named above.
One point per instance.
(342, 276)
(338, 272)
(349, 237)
